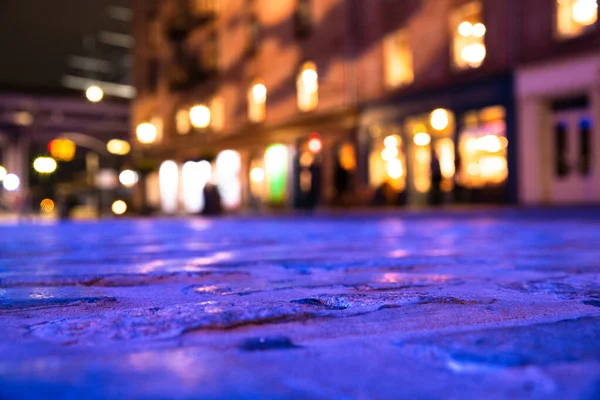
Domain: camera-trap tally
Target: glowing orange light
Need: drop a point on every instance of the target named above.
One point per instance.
(315, 144)
(62, 149)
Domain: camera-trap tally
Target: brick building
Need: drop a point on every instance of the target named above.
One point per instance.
(335, 101)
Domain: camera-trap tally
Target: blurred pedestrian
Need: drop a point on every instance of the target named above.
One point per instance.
(435, 193)
(212, 200)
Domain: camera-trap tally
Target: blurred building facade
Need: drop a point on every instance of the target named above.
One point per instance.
(344, 102)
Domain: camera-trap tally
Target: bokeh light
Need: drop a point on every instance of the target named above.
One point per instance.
(44, 165)
(128, 178)
(146, 133)
(94, 93)
(118, 147)
(47, 205)
(422, 139)
(119, 207)
(11, 182)
(3, 173)
(200, 116)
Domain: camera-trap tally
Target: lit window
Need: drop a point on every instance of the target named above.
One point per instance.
(182, 122)
(398, 59)
(158, 124)
(257, 98)
(575, 17)
(483, 148)
(307, 85)
(201, 8)
(217, 108)
(468, 36)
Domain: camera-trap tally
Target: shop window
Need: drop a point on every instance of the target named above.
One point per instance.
(482, 149)
(468, 36)
(257, 98)
(432, 142)
(307, 87)
(302, 19)
(575, 17)
(182, 121)
(398, 59)
(387, 161)
(584, 147)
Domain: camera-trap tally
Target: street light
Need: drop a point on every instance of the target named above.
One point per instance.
(118, 147)
(44, 165)
(200, 116)
(11, 182)
(119, 207)
(94, 93)
(146, 133)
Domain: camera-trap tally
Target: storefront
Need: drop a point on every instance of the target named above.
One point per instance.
(453, 145)
(559, 106)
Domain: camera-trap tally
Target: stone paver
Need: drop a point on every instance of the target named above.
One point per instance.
(504, 304)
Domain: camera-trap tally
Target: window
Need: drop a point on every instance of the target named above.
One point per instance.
(483, 148)
(398, 59)
(152, 75)
(468, 36)
(210, 53)
(182, 121)
(217, 109)
(253, 35)
(201, 8)
(307, 86)
(154, 32)
(575, 17)
(257, 98)
(302, 19)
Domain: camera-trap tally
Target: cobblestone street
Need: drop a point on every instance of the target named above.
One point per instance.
(504, 304)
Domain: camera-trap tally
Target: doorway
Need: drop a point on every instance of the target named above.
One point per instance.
(573, 178)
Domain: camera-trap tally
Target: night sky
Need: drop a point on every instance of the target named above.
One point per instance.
(37, 36)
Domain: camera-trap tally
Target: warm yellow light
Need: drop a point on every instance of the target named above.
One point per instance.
(489, 143)
(94, 93)
(479, 30)
(146, 133)
(200, 116)
(585, 12)
(62, 149)
(44, 165)
(257, 175)
(119, 207)
(128, 178)
(422, 139)
(118, 147)
(310, 77)
(3, 173)
(389, 153)
(47, 205)
(391, 141)
(473, 54)
(395, 169)
(259, 93)
(440, 119)
(465, 29)
(182, 122)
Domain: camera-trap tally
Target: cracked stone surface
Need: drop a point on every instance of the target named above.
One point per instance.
(495, 304)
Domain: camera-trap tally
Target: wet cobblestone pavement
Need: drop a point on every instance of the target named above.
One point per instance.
(472, 305)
